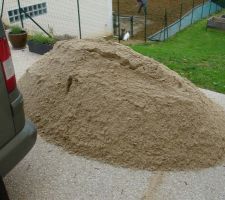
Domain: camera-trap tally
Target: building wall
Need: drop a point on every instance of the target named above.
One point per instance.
(62, 17)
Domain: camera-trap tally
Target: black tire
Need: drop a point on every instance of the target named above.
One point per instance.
(3, 192)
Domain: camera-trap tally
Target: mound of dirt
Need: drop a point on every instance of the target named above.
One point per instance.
(104, 101)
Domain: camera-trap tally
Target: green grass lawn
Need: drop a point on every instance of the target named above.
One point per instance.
(194, 53)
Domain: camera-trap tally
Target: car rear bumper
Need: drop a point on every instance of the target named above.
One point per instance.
(17, 148)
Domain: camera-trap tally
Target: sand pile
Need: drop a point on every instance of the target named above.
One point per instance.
(104, 101)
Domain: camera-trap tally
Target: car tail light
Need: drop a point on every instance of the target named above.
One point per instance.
(7, 65)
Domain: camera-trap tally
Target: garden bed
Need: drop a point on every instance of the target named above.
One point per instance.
(155, 12)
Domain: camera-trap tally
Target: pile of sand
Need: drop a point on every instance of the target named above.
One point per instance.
(104, 101)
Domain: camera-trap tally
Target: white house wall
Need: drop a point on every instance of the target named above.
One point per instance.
(96, 17)
(62, 17)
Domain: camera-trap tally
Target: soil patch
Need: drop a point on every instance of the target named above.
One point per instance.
(155, 13)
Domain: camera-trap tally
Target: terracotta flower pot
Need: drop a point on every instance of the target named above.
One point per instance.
(18, 41)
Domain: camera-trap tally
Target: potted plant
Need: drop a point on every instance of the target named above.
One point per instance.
(17, 37)
(39, 43)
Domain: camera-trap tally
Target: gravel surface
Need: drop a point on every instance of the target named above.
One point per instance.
(48, 172)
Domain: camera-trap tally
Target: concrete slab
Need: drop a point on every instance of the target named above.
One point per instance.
(22, 59)
(48, 172)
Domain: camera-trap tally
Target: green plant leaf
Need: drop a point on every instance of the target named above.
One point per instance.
(42, 39)
(16, 30)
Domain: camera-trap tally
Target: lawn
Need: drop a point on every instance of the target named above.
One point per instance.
(194, 53)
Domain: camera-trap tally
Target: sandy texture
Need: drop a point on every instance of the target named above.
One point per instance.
(102, 100)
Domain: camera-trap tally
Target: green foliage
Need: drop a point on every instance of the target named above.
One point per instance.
(42, 39)
(16, 30)
(194, 53)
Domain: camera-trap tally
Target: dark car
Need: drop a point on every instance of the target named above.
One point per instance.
(17, 135)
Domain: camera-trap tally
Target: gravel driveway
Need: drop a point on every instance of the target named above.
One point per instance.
(48, 172)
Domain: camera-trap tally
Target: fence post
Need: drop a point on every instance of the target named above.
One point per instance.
(165, 25)
(181, 14)
(132, 26)
(118, 18)
(114, 24)
(78, 12)
(210, 7)
(192, 13)
(145, 9)
(21, 19)
(203, 4)
(2, 9)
